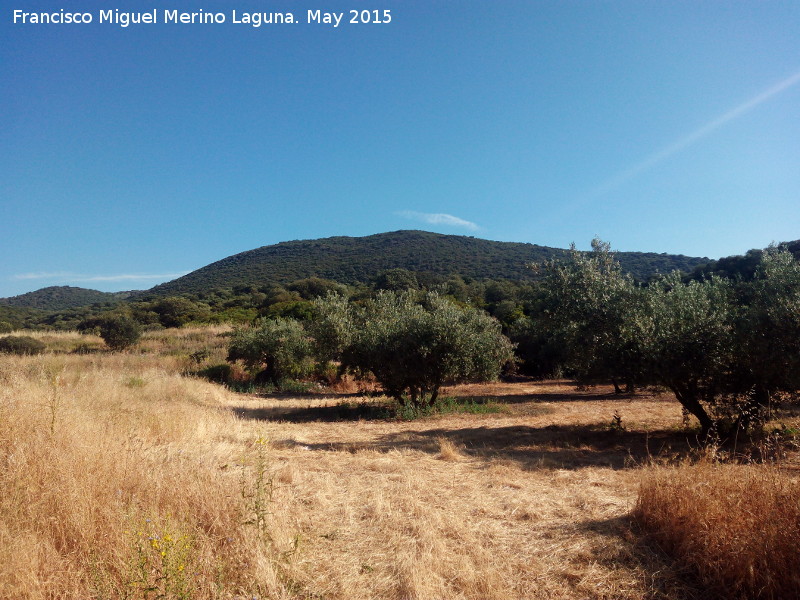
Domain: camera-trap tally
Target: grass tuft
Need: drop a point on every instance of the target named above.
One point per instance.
(448, 450)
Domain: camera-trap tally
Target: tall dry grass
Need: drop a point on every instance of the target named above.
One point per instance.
(737, 527)
(121, 480)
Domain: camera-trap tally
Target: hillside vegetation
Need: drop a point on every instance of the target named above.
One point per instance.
(354, 260)
(61, 297)
(281, 280)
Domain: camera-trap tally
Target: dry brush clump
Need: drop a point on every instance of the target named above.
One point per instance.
(126, 482)
(736, 527)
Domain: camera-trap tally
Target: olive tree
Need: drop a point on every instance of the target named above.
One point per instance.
(277, 348)
(688, 340)
(588, 307)
(333, 326)
(767, 330)
(413, 348)
(727, 349)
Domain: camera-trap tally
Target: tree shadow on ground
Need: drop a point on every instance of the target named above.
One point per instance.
(330, 413)
(532, 448)
(346, 407)
(665, 577)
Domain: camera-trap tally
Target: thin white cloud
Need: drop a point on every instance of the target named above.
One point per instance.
(693, 137)
(438, 219)
(66, 276)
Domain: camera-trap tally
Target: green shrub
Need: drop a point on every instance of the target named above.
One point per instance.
(6, 327)
(301, 310)
(413, 349)
(118, 331)
(21, 344)
(176, 311)
(277, 348)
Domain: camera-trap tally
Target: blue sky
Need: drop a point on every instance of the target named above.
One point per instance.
(132, 155)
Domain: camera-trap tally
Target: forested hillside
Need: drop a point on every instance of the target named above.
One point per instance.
(354, 260)
(61, 298)
(282, 279)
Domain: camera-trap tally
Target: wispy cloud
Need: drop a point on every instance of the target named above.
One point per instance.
(695, 136)
(75, 277)
(438, 219)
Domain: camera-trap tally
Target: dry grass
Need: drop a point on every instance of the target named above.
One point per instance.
(737, 527)
(64, 341)
(112, 484)
(118, 474)
(530, 503)
(448, 450)
(176, 350)
(185, 340)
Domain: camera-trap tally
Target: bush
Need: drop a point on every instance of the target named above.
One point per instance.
(414, 349)
(118, 331)
(278, 348)
(217, 373)
(6, 327)
(21, 344)
(175, 311)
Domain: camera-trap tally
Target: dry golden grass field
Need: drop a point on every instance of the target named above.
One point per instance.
(123, 477)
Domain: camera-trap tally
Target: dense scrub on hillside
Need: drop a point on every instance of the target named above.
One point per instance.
(277, 281)
(356, 261)
(62, 297)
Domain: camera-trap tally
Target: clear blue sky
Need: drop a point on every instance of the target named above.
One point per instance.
(131, 155)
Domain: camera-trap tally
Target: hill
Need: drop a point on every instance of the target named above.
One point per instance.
(354, 260)
(740, 266)
(63, 297)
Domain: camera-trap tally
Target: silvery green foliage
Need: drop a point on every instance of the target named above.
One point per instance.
(767, 360)
(333, 326)
(414, 347)
(726, 348)
(281, 347)
(688, 340)
(589, 306)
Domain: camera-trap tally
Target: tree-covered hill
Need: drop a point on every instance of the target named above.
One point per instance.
(739, 266)
(354, 260)
(62, 297)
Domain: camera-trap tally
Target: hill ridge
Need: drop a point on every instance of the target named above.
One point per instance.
(62, 297)
(353, 260)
